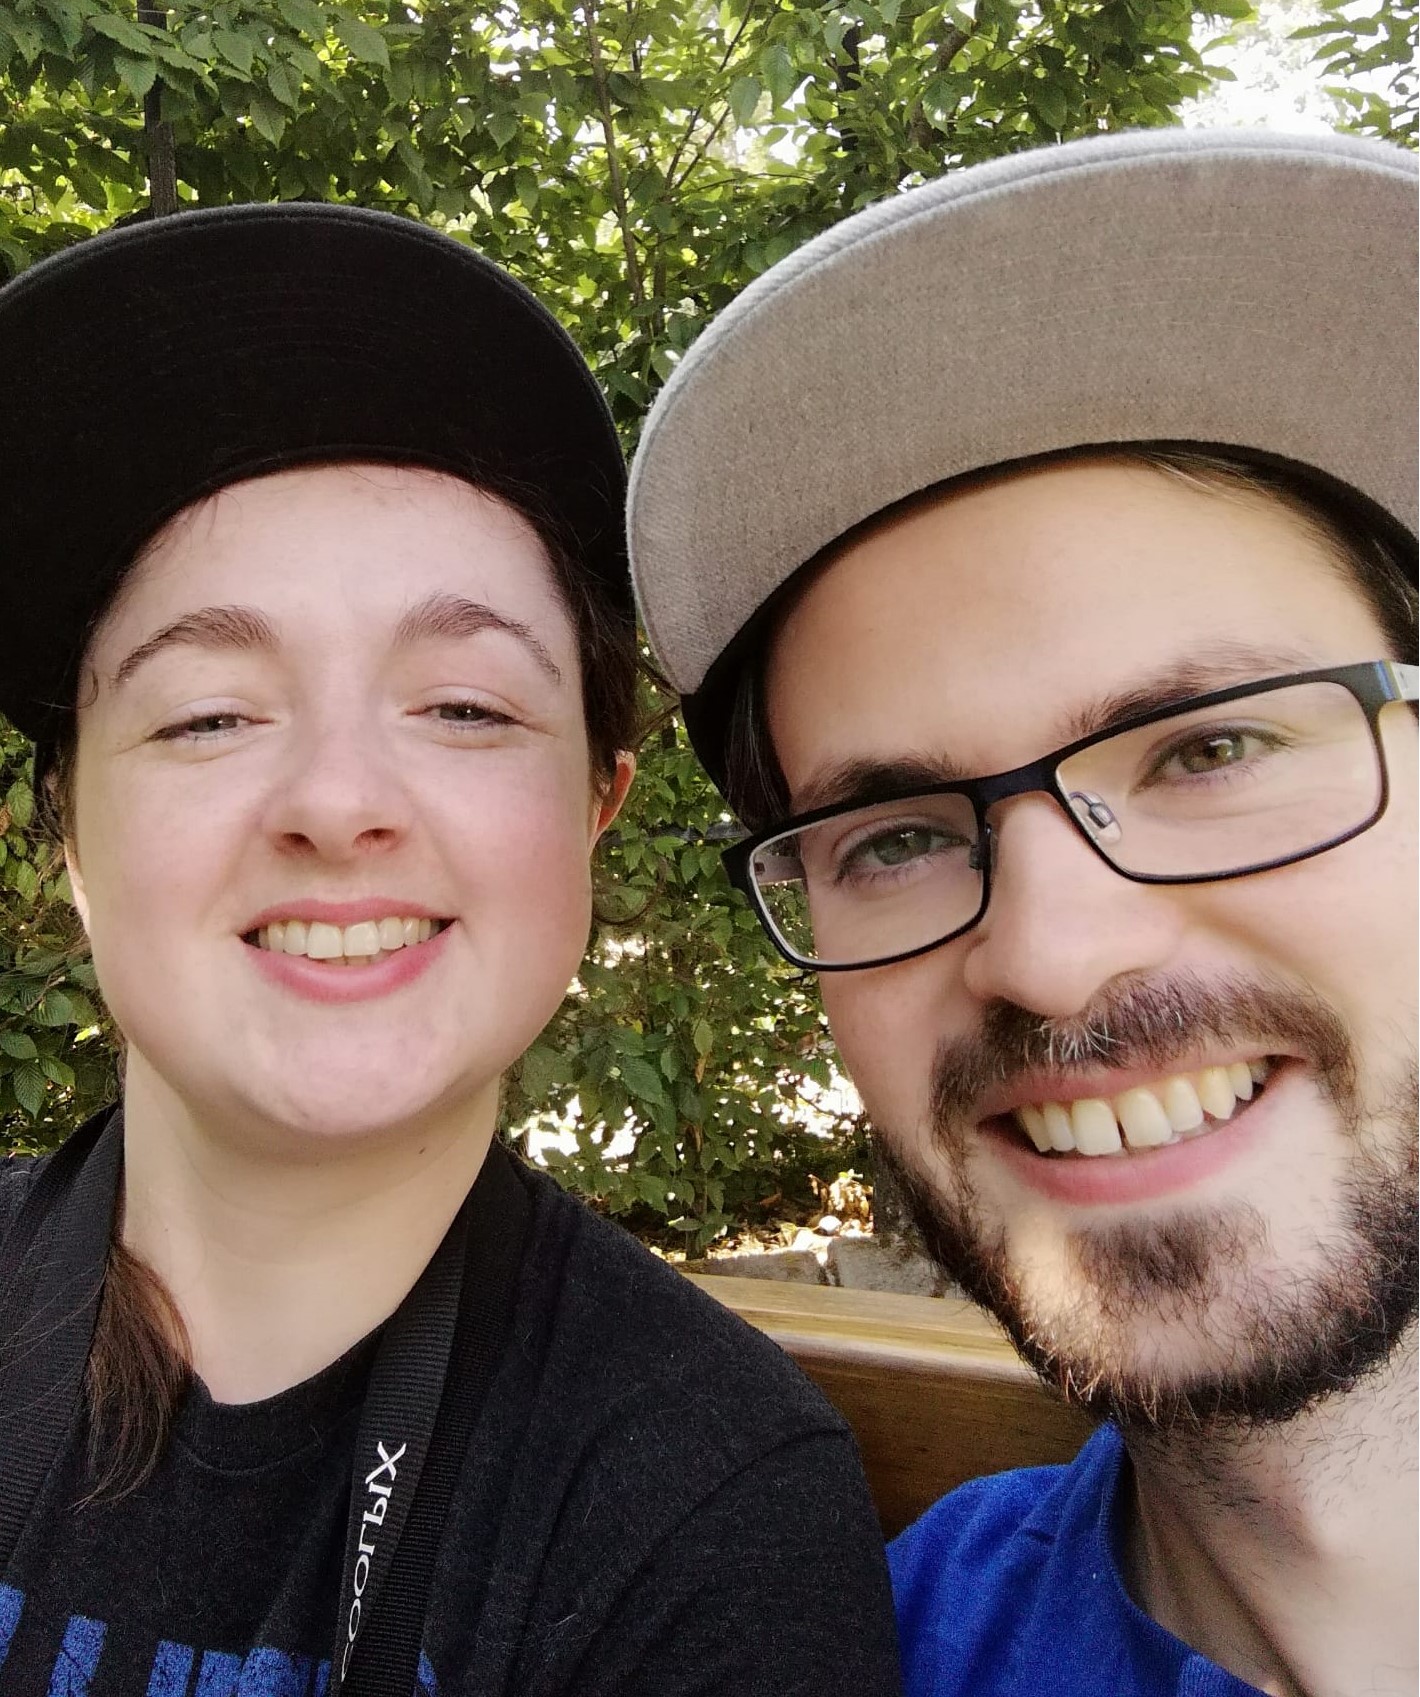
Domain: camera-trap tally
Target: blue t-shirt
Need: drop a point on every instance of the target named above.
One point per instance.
(1009, 1587)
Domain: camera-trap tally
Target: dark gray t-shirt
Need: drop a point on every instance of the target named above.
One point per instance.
(655, 1501)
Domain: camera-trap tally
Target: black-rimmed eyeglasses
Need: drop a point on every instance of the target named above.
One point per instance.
(1237, 781)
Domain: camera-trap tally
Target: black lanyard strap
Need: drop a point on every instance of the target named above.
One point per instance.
(429, 1382)
(385, 1660)
(52, 1262)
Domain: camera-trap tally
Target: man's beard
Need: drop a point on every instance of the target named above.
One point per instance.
(1294, 1342)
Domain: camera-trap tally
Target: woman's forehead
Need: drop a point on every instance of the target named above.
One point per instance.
(320, 543)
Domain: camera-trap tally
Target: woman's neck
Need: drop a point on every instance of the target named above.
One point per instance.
(278, 1263)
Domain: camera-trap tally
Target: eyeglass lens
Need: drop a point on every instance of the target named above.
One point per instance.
(1200, 794)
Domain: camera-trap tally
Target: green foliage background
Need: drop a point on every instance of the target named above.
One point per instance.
(636, 162)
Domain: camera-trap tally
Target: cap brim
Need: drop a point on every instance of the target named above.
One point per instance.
(150, 365)
(1234, 288)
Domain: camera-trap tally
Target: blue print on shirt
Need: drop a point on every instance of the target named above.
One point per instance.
(78, 1657)
(180, 1670)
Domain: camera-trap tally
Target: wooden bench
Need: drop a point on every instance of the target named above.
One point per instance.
(931, 1387)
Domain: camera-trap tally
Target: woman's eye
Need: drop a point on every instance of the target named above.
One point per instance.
(201, 727)
(469, 713)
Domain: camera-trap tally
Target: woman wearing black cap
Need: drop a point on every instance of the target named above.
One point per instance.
(323, 631)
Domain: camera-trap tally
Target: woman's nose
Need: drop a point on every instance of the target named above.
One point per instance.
(341, 796)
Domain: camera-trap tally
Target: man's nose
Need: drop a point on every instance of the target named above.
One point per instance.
(340, 796)
(1062, 923)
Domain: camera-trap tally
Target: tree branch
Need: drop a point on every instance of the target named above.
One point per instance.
(725, 57)
(158, 136)
(618, 188)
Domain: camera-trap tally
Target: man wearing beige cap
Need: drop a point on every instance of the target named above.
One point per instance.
(1036, 553)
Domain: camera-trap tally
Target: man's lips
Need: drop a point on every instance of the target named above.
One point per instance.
(1071, 1084)
(1134, 1176)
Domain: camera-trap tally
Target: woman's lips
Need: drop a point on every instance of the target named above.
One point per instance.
(335, 981)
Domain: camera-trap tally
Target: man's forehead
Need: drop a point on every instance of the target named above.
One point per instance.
(856, 768)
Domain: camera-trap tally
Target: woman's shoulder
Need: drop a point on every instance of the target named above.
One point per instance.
(17, 1174)
(628, 1326)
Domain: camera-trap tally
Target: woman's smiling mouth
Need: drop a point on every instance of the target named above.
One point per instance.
(365, 943)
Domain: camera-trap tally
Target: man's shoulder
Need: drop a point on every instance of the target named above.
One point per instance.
(974, 1580)
(992, 1528)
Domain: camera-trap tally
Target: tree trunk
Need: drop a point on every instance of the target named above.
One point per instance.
(162, 162)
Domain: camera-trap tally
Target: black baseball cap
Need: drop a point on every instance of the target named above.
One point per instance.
(148, 366)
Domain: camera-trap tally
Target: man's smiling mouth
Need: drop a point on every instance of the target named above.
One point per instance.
(1169, 1109)
(362, 944)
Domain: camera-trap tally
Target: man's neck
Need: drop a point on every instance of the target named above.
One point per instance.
(278, 1266)
(1288, 1555)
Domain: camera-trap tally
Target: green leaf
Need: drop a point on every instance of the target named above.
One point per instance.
(527, 186)
(55, 1008)
(268, 117)
(303, 15)
(284, 84)
(363, 40)
(744, 98)
(118, 29)
(779, 73)
(20, 800)
(502, 126)
(641, 1079)
(138, 75)
(28, 1084)
(539, 1070)
(18, 1044)
(57, 1072)
(703, 1037)
(237, 49)
(1051, 107)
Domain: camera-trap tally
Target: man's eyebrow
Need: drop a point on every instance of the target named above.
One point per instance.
(862, 782)
(207, 627)
(1226, 664)
(443, 616)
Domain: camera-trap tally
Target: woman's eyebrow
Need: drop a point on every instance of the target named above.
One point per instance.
(443, 616)
(207, 627)
(440, 616)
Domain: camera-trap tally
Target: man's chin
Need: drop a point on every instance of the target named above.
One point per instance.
(1166, 1325)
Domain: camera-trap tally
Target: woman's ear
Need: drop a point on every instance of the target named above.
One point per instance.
(606, 803)
(76, 883)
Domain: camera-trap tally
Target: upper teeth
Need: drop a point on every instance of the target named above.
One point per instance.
(1144, 1116)
(369, 938)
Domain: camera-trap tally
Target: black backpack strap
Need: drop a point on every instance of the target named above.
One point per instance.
(491, 1232)
(52, 1263)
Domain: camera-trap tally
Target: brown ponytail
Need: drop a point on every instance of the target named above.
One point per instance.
(136, 1375)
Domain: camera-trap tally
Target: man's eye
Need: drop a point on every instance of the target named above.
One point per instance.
(896, 847)
(889, 849)
(1217, 750)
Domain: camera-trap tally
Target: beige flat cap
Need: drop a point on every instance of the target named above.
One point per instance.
(1235, 288)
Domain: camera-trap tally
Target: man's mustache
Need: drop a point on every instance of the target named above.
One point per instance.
(1151, 1023)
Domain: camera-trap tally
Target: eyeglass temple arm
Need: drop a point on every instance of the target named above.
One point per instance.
(1404, 680)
